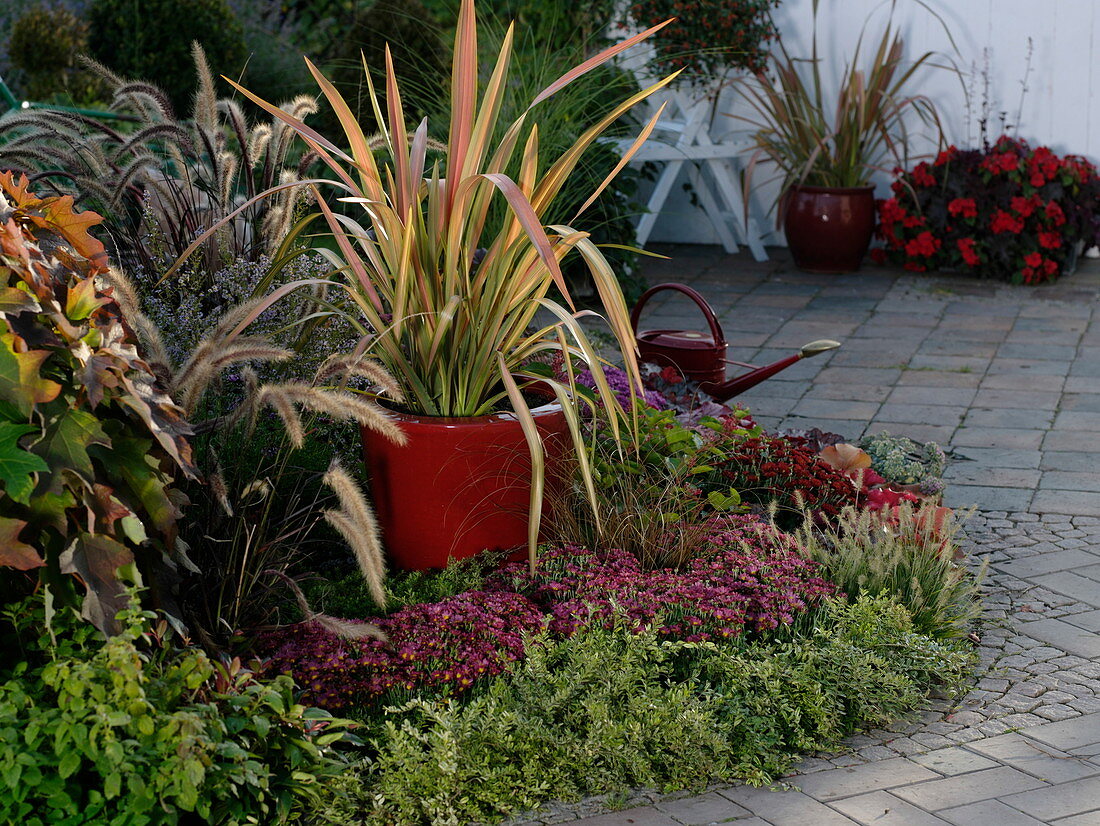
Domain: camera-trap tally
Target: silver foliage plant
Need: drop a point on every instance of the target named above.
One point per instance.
(903, 461)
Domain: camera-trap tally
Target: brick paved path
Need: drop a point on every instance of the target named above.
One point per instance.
(1010, 379)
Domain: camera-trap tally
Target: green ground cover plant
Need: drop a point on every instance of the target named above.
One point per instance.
(348, 596)
(612, 709)
(137, 730)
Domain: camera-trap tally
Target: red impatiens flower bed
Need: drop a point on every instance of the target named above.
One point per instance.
(1008, 211)
(749, 581)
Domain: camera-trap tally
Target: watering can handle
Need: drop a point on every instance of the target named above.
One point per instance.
(708, 312)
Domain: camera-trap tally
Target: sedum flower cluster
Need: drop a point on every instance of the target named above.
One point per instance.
(900, 460)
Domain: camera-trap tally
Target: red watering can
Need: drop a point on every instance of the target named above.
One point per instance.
(701, 356)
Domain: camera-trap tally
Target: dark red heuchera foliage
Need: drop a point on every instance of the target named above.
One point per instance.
(771, 468)
(1006, 211)
(447, 644)
(750, 580)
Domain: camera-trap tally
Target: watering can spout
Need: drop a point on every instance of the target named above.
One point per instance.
(739, 384)
(814, 348)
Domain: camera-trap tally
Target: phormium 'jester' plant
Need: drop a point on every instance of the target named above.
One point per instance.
(1007, 211)
(448, 303)
(88, 440)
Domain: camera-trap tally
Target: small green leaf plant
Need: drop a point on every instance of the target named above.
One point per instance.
(655, 497)
(88, 440)
(611, 709)
(141, 731)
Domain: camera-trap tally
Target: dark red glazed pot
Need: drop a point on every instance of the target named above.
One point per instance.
(827, 229)
(459, 486)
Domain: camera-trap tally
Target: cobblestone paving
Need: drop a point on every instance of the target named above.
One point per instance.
(1010, 380)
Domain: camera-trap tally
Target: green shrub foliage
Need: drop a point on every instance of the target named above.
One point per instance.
(87, 438)
(611, 710)
(655, 498)
(138, 732)
(45, 45)
(151, 40)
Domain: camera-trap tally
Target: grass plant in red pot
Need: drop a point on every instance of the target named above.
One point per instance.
(458, 305)
(826, 146)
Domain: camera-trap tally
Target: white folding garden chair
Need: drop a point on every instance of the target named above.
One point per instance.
(682, 137)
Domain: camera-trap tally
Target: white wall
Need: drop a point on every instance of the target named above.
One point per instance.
(1058, 108)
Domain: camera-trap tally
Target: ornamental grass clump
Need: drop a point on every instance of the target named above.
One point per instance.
(252, 510)
(169, 177)
(1007, 211)
(443, 299)
(909, 552)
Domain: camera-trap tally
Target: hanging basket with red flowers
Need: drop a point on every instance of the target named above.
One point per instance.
(709, 38)
(1008, 211)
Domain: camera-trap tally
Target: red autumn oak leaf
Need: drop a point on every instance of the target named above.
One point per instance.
(13, 553)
